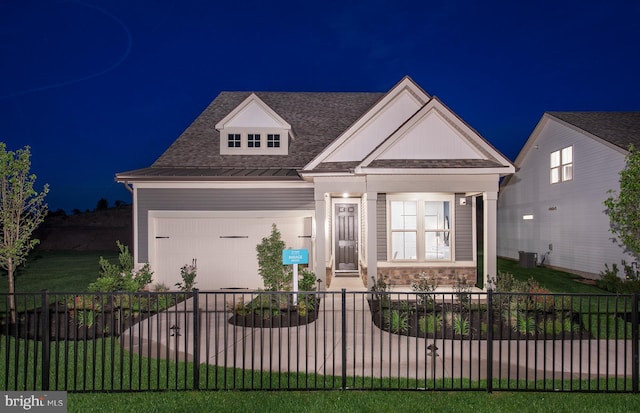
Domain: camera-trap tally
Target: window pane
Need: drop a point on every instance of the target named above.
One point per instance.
(403, 215)
(403, 245)
(555, 159)
(555, 175)
(436, 215)
(567, 172)
(436, 246)
(567, 155)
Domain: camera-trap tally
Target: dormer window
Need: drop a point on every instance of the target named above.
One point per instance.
(253, 140)
(253, 128)
(233, 140)
(273, 140)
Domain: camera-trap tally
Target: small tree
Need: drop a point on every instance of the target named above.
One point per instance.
(102, 204)
(22, 209)
(274, 274)
(623, 207)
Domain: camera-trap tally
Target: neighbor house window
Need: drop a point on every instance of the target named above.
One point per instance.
(421, 229)
(273, 140)
(233, 140)
(561, 163)
(253, 140)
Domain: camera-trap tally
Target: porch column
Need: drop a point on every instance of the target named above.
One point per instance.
(490, 205)
(372, 238)
(320, 243)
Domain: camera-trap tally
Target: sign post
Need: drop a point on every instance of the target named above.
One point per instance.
(295, 257)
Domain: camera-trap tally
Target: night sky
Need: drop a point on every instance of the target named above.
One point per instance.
(100, 87)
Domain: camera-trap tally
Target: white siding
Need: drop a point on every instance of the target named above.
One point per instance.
(375, 131)
(569, 215)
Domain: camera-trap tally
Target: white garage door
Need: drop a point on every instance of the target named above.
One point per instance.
(223, 247)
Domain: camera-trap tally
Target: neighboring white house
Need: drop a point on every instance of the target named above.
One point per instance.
(553, 204)
(373, 184)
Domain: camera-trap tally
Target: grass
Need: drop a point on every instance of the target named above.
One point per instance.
(67, 271)
(552, 280)
(353, 401)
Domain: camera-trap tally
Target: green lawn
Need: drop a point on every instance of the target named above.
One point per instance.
(353, 401)
(553, 280)
(57, 271)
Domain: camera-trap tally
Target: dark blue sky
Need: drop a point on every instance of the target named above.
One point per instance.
(98, 87)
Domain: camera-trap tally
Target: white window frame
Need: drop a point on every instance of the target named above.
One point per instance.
(274, 140)
(233, 139)
(281, 147)
(252, 139)
(561, 165)
(420, 230)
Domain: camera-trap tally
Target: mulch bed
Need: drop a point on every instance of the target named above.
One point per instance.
(477, 322)
(64, 324)
(266, 317)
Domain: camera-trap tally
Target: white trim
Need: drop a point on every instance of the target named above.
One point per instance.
(436, 171)
(420, 198)
(405, 84)
(223, 184)
(350, 200)
(427, 264)
(444, 115)
(221, 125)
(230, 214)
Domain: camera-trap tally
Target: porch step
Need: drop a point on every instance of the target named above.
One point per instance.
(347, 274)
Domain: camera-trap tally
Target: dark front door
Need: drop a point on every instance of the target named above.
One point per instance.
(346, 237)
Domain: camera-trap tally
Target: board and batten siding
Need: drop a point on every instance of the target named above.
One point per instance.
(569, 215)
(215, 199)
(463, 231)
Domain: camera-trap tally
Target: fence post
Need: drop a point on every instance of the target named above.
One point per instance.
(46, 340)
(344, 339)
(490, 341)
(635, 368)
(196, 340)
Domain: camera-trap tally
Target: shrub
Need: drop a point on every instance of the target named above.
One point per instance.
(462, 292)
(398, 321)
(121, 276)
(380, 291)
(610, 279)
(460, 325)
(188, 272)
(430, 324)
(274, 274)
(308, 280)
(424, 285)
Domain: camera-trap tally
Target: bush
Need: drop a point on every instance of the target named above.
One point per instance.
(612, 282)
(424, 285)
(121, 276)
(274, 274)
(308, 282)
(188, 272)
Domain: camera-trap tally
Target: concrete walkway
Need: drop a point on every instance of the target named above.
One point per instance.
(318, 347)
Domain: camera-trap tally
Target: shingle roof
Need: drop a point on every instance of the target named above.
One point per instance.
(619, 128)
(315, 118)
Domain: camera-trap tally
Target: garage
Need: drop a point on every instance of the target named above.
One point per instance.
(223, 245)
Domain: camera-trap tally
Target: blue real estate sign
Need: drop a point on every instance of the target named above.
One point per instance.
(295, 257)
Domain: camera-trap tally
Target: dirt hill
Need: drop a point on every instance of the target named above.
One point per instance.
(89, 231)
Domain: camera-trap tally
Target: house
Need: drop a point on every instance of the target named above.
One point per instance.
(553, 204)
(372, 184)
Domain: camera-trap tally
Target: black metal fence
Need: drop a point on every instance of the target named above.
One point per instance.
(326, 340)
